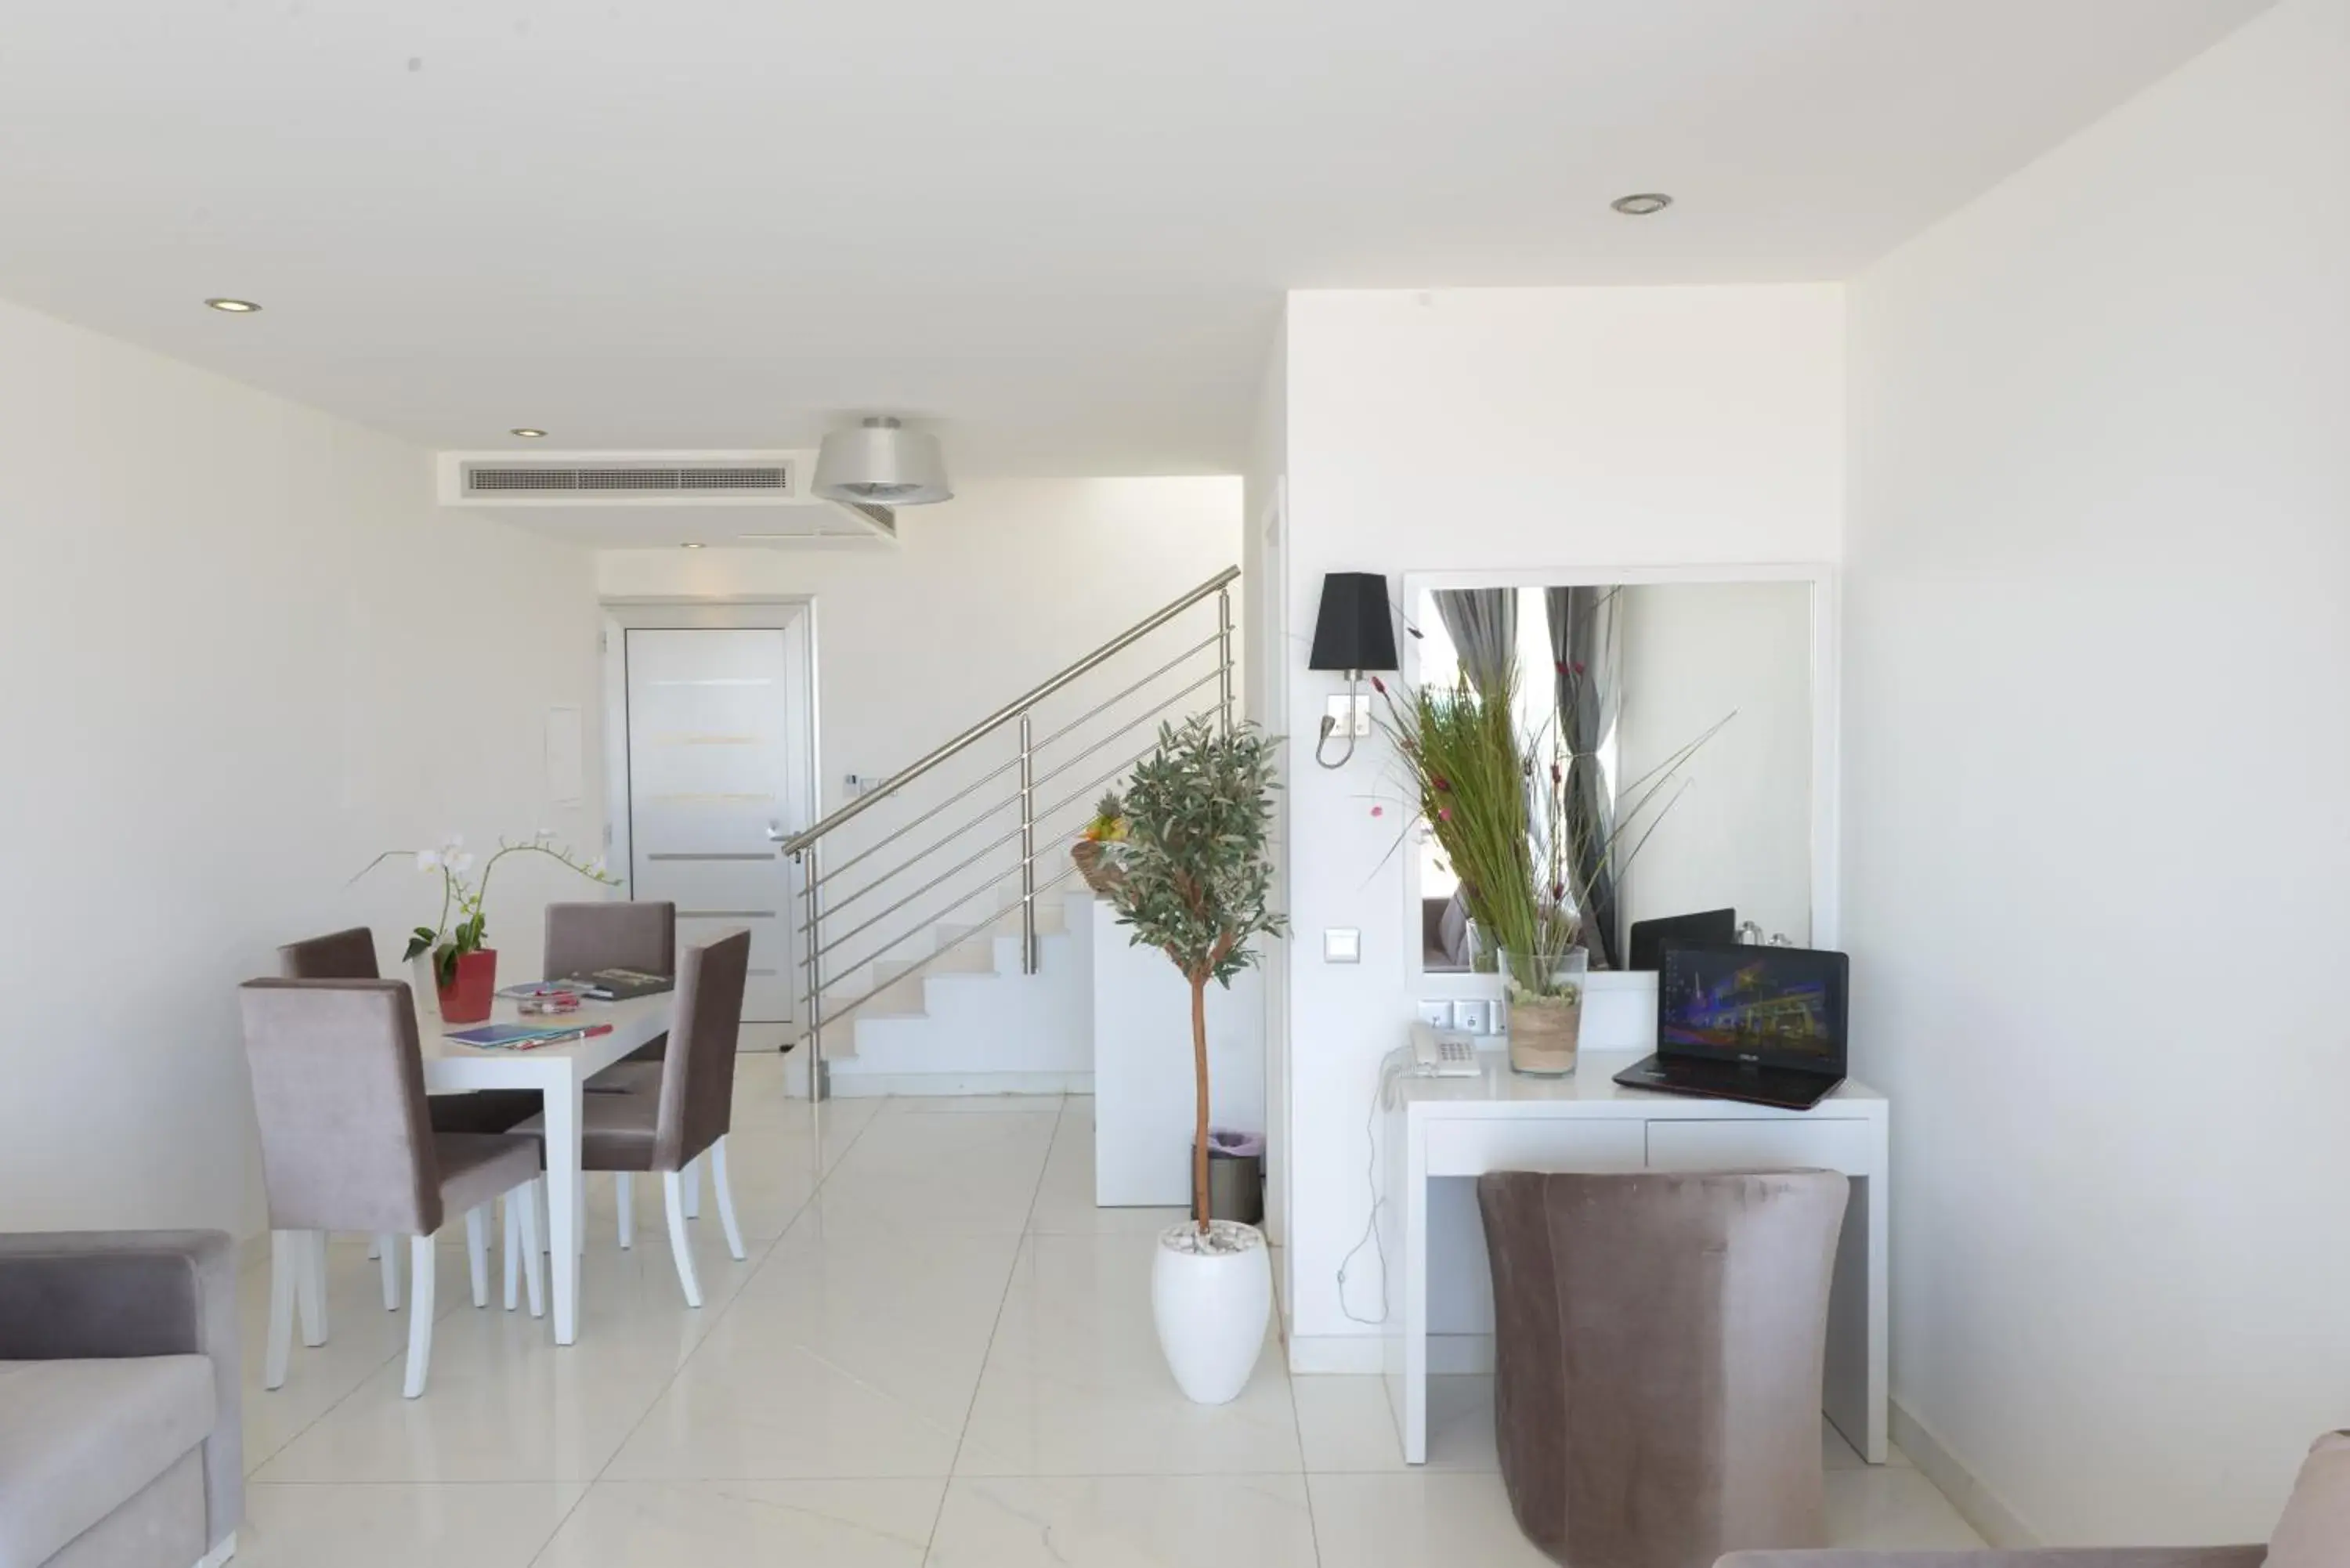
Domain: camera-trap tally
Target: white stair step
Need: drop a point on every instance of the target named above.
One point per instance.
(900, 998)
(965, 958)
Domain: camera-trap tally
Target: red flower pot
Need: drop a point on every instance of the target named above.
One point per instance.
(466, 999)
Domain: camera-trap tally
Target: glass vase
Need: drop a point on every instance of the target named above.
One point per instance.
(1541, 1010)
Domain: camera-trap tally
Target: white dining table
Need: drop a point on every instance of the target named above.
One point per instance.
(559, 1073)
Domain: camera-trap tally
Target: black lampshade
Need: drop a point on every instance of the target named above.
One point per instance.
(1354, 629)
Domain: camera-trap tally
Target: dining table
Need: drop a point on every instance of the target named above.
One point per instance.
(559, 1073)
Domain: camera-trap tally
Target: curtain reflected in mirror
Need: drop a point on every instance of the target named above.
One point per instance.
(1679, 717)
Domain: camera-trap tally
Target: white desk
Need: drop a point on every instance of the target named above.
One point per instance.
(1436, 1128)
(559, 1073)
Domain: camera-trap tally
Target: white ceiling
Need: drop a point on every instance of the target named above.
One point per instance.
(1056, 228)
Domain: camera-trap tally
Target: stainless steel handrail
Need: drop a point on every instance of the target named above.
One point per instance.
(884, 843)
(821, 948)
(1159, 713)
(983, 928)
(1013, 710)
(1009, 802)
(1107, 703)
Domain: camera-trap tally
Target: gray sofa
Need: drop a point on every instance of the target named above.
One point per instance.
(119, 1436)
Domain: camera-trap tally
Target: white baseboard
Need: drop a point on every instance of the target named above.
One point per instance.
(1363, 1355)
(846, 1085)
(1977, 1504)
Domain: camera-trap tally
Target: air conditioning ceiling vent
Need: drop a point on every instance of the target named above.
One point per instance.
(772, 481)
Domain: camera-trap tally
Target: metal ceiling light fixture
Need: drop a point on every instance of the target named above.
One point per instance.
(882, 463)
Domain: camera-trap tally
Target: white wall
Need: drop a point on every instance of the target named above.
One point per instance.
(1501, 428)
(240, 652)
(2098, 729)
(1739, 835)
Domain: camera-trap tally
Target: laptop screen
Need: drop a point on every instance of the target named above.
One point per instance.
(1774, 1007)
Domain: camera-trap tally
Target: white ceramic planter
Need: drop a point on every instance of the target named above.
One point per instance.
(1211, 1309)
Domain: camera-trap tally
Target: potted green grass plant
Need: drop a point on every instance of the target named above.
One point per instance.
(1196, 882)
(1496, 800)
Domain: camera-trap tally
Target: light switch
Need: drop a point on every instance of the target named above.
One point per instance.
(1342, 944)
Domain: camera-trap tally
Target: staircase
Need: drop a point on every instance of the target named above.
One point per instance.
(945, 941)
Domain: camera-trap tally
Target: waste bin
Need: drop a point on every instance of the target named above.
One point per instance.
(1235, 1177)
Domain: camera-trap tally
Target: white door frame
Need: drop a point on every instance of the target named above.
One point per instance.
(793, 615)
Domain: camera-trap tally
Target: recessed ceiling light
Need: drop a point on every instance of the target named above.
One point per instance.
(691, 545)
(1642, 205)
(524, 431)
(233, 306)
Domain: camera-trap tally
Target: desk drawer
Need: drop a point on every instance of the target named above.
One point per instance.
(1473, 1146)
(1844, 1146)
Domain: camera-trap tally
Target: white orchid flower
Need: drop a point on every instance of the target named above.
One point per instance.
(543, 835)
(428, 859)
(461, 863)
(596, 866)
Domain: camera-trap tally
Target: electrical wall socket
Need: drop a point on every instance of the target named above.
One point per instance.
(1473, 1017)
(1357, 723)
(1436, 1014)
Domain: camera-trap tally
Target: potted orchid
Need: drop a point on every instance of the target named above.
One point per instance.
(465, 972)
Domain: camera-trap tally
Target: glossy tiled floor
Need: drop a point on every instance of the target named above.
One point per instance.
(939, 1351)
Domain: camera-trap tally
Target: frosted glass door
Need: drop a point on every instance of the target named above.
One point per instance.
(709, 767)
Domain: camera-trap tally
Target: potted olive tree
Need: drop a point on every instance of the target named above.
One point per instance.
(1195, 880)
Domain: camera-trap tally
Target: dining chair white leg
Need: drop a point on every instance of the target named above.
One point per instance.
(681, 1248)
(375, 1246)
(693, 1188)
(545, 1229)
(510, 1210)
(725, 1195)
(579, 1217)
(477, 1250)
(422, 1256)
(310, 1285)
(285, 1263)
(387, 1248)
(534, 1267)
(624, 1193)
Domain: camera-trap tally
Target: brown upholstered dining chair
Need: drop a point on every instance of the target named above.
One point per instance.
(1659, 1341)
(582, 938)
(689, 1111)
(350, 955)
(347, 1145)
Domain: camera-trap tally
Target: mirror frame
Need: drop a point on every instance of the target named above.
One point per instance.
(1426, 985)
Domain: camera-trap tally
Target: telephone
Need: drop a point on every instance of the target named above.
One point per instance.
(1443, 1055)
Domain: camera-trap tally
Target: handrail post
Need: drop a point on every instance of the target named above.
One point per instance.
(1224, 656)
(1027, 850)
(812, 961)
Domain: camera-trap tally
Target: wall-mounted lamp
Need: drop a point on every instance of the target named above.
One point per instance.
(1353, 631)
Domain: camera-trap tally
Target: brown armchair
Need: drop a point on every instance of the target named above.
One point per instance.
(2062, 1557)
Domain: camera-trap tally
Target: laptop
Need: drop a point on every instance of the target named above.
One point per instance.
(1761, 1024)
(1651, 938)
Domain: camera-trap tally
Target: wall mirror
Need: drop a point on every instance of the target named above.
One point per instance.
(1692, 717)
